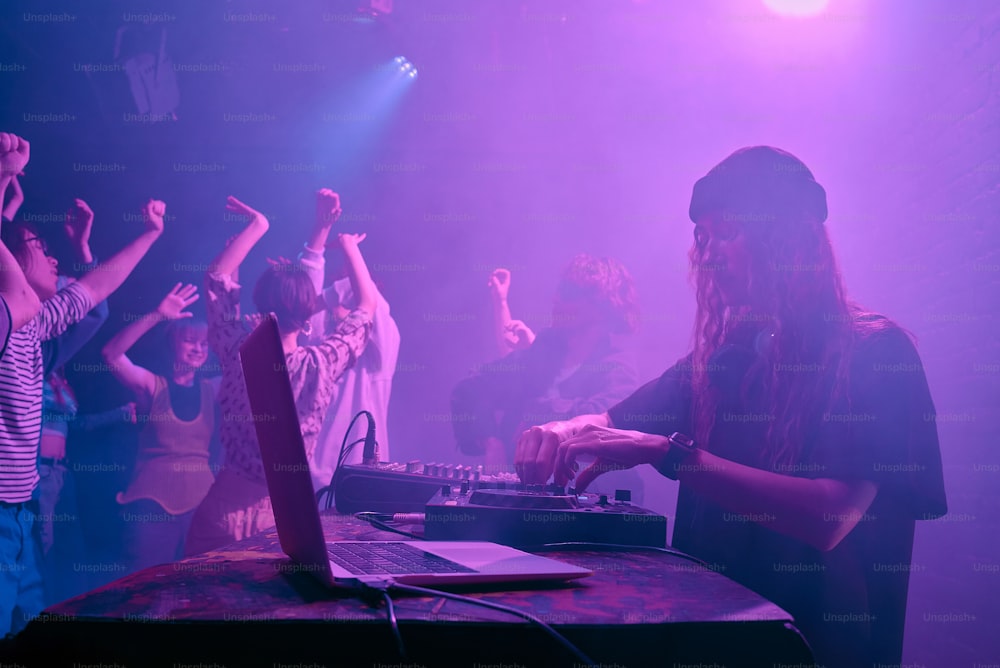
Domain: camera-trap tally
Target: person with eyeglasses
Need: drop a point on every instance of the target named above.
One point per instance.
(21, 374)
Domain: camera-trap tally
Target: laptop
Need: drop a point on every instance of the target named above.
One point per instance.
(352, 563)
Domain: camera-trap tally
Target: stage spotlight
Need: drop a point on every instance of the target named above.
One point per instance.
(796, 8)
(405, 66)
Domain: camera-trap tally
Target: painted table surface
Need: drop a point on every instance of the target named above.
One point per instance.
(253, 580)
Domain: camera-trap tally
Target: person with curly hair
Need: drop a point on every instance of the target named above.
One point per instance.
(576, 365)
(800, 426)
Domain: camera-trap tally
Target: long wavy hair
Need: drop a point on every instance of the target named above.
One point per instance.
(797, 298)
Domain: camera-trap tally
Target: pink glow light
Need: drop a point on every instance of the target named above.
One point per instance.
(798, 8)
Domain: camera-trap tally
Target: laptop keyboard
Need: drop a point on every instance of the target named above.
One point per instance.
(389, 559)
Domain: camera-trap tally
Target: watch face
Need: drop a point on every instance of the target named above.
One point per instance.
(684, 441)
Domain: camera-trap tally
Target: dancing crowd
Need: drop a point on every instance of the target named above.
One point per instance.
(796, 425)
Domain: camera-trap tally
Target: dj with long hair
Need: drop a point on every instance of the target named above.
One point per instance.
(797, 426)
(238, 504)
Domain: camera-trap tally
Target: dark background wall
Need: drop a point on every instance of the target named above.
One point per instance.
(536, 130)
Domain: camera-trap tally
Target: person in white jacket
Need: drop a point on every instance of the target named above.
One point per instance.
(368, 384)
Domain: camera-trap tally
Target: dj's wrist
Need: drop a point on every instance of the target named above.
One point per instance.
(680, 455)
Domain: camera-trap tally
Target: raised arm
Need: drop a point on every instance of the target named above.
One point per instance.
(327, 213)
(14, 155)
(357, 271)
(312, 256)
(499, 285)
(21, 300)
(12, 206)
(140, 380)
(79, 223)
(60, 350)
(228, 262)
(510, 334)
(108, 276)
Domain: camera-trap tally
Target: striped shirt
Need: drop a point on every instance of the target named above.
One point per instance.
(21, 390)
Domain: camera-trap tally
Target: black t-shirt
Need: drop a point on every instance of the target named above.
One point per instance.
(850, 602)
(185, 400)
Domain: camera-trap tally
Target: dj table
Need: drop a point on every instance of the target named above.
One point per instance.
(247, 605)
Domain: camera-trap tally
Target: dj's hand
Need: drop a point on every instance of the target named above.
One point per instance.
(613, 449)
(535, 455)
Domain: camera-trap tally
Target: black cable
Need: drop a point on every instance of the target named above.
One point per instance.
(375, 593)
(332, 487)
(371, 421)
(344, 453)
(330, 490)
(394, 623)
(374, 519)
(573, 649)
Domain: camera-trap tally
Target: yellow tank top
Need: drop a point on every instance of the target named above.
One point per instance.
(171, 465)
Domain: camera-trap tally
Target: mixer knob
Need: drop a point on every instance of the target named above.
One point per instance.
(478, 473)
(445, 490)
(603, 500)
(465, 487)
(431, 469)
(413, 466)
(445, 471)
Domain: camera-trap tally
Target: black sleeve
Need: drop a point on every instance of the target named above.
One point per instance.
(5, 325)
(886, 432)
(614, 378)
(661, 406)
(476, 400)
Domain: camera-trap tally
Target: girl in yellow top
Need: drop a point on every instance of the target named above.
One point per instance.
(172, 473)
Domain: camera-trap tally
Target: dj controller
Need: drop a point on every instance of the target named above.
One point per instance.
(467, 503)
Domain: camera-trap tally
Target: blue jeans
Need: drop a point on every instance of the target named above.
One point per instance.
(152, 535)
(21, 591)
(63, 549)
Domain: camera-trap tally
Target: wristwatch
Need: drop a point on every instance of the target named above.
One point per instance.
(681, 447)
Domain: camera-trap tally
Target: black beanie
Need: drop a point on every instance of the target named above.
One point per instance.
(760, 184)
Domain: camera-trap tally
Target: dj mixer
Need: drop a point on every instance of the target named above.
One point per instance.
(466, 503)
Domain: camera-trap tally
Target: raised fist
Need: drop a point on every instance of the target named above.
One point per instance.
(79, 221)
(14, 154)
(153, 213)
(327, 207)
(499, 284)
